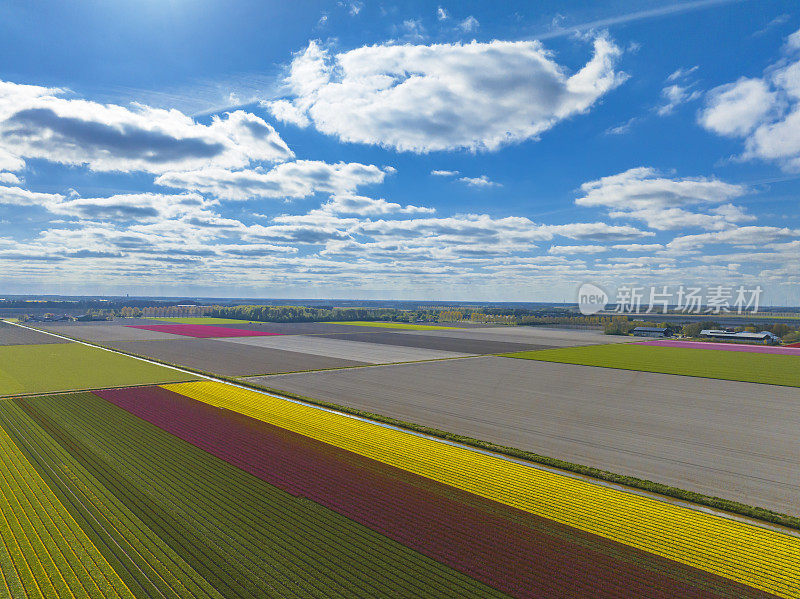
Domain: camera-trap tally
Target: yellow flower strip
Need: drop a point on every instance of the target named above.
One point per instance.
(45, 552)
(760, 558)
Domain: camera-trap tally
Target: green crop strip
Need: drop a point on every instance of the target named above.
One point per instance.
(247, 538)
(70, 366)
(38, 532)
(772, 369)
(147, 566)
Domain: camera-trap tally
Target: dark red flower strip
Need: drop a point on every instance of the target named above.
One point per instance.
(202, 331)
(513, 551)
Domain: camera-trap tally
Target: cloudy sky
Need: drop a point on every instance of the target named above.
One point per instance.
(364, 149)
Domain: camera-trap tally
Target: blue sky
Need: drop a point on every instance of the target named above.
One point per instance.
(416, 150)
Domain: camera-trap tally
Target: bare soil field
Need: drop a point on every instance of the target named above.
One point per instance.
(117, 322)
(229, 359)
(431, 341)
(730, 439)
(14, 335)
(372, 353)
(298, 328)
(552, 337)
(109, 332)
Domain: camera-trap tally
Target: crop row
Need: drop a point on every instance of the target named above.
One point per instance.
(43, 551)
(146, 565)
(483, 539)
(244, 536)
(751, 555)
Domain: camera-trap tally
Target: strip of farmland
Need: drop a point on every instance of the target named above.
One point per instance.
(751, 555)
(529, 335)
(72, 366)
(741, 347)
(241, 535)
(198, 320)
(44, 552)
(708, 363)
(721, 438)
(148, 567)
(434, 343)
(395, 325)
(110, 332)
(201, 331)
(230, 359)
(514, 551)
(359, 350)
(14, 335)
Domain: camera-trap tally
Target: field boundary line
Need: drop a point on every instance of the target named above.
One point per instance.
(743, 518)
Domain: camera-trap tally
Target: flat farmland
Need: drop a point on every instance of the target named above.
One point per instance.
(198, 320)
(729, 365)
(735, 551)
(200, 331)
(69, 366)
(106, 333)
(302, 328)
(722, 438)
(117, 322)
(230, 359)
(509, 549)
(430, 341)
(396, 325)
(175, 521)
(787, 350)
(542, 336)
(13, 335)
(361, 349)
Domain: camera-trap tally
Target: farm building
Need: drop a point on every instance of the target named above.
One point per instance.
(764, 337)
(650, 332)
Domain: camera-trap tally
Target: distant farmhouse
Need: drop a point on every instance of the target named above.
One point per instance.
(650, 332)
(764, 337)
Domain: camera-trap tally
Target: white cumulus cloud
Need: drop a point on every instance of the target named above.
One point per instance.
(297, 179)
(661, 202)
(422, 98)
(482, 181)
(364, 206)
(38, 122)
(576, 249)
(763, 111)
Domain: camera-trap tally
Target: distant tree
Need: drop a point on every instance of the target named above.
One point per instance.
(780, 329)
(792, 337)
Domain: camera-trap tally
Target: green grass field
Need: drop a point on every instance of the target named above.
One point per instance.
(201, 320)
(733, 366)
(394, 325)
(70, 366)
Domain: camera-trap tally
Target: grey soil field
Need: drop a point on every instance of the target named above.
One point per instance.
(297, 328)
(229, 359)
(426, 340)
(730, 439)
(117, 322)
(551, 337)
(372, 353)
(14, 335)
(110, 332)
